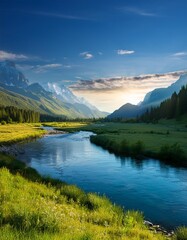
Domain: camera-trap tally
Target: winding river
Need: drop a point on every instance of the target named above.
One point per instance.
(158, 190)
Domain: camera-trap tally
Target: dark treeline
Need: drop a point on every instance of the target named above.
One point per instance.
(56, 118)
(50, 118)
(173, 107)
(13, 114)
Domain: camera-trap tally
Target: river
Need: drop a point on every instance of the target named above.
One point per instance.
(156, 189)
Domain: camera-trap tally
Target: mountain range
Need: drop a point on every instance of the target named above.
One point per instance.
(15, 90)
(152, 99)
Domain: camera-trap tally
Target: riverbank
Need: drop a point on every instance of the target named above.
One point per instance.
(11, 134)
(165, 141)
(36, 207)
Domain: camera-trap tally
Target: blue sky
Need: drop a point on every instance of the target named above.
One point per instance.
(66, 41)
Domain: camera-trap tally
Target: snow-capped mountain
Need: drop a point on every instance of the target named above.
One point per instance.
(11, 76)
(64, 94)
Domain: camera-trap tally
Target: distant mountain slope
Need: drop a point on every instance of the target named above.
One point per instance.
(158, 95)
(153, 98)
(16, 91)
(126, 111)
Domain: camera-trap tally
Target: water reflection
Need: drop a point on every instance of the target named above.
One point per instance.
(159, 190)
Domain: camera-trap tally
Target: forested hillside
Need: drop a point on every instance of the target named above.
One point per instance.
(173, 107)
(13, 114)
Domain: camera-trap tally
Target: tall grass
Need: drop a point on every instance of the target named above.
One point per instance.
(12, 133)
(136, 150)
(181, 233)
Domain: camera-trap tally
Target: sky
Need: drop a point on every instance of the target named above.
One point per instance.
(109, 51)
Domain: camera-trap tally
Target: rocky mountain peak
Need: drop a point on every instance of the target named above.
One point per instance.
(11, 76)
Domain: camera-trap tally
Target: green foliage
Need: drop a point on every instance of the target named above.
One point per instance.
(181, 233)
(3, 122)
(136, 149)
(172, 153)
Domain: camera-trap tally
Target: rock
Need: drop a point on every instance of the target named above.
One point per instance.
(148, 223)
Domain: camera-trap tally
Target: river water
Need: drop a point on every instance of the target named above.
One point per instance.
(158, 190)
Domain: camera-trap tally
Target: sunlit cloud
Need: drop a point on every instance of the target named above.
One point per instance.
(86, 55)
(11, 56)
(123, 82)
(125, 52)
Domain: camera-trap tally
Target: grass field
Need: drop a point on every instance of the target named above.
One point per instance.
(69, 126)
(12, 133)
(169, 137)
(36, 208)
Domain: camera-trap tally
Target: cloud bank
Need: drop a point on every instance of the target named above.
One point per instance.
(105, 84)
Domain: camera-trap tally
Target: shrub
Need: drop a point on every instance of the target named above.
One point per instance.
(3, 122)
(172, 153)
(181, 233)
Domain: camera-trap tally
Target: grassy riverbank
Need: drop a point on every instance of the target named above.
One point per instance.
(12, 133)
(166, 140)
(33, 207)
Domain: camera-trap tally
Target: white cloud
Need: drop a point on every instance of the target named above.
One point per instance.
(138, 11)
(11, 56)
(125, 52)
(24, 67)
(180, 54)
(86, 55)
(59, 15)
(47, 67)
